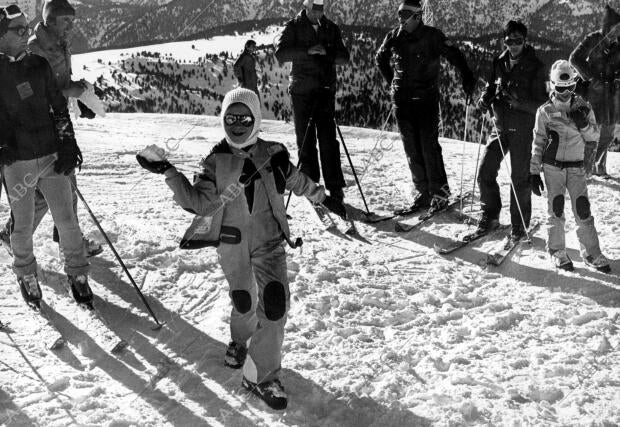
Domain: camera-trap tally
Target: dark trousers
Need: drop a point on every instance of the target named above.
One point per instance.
(519, 144)
(319, 106)
(418, 122)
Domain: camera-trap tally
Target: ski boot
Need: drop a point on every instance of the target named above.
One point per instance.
(438, 203)
(31, 291)
(82, 294)
(92, 247)
(270, 392)
(600, 263)
(235, 355)
(421, 201)
(486, 224)
(562, 261)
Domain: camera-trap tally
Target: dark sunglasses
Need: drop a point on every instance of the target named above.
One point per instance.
(406, 14)
(513, 42)
(243, 119)
(20, 30)
(11, 11)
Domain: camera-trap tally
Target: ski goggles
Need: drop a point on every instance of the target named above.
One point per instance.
(563, 89)
(514, 41)
(246, 120)
(406, 14)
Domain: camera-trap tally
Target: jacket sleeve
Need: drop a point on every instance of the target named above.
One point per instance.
(340, 53)
(286, 45)
(538, 94)
(591, 133)
(490, 89)
(382, 59)
(579, 57)
(453, 54)
(201, 198)
(539, 142)
(301, 184)
(58, 104)
(238, 69)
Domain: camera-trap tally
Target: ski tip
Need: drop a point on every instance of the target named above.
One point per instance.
(57, 344)
(119, 347)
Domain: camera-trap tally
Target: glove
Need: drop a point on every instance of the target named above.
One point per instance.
(580, 116)
(68, 159)
(469, 84)
(155, 166)
(484, 106)
(85, 112)
(536, 184)
(7, 156)
(335, 206)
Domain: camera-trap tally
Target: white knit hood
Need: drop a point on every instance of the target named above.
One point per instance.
(250, 100)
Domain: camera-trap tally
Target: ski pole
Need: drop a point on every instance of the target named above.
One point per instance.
(467, 102)
(118, 258)
(357, 181)
(473, 190)
(512, 185)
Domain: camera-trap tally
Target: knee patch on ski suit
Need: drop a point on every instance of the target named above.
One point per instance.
(558, 206)
(242, 301)
(274, 299)
(582, 206)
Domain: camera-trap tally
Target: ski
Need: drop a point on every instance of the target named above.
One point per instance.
(497, 257)
(465, 240)
(360, 215)
(354, 233)
(114, 344)
(405, 228)
(55, 341)
(327, 221)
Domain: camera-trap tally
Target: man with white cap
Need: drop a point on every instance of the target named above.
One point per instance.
(314, 45)
(416, 50)
(241, 191)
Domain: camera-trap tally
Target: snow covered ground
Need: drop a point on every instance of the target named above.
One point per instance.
(387, 334)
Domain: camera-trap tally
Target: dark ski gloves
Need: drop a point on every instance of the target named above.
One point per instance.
(7, 156)
(536, 184)
(69, 157)
(580, 116)
(336, 206)
(155, 166)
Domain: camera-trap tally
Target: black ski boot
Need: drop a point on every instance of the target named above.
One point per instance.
(337, 193)
(600, 263)
(438, 203)
(31, 291)
(82, 294)
(486, 223)
(517, 233)
(421, 201)
(562, 261)
(235, 355)
(270, 392)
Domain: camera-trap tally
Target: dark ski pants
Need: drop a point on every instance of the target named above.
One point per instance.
(418, 122)
(519, 144)
(600, 159)
(320, 106)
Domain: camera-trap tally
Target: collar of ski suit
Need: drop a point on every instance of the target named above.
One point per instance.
(526, 55)
(401, 32)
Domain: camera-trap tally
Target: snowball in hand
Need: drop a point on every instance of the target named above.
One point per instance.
(153, 153)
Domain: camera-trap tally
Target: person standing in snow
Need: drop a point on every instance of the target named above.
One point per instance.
(597, 59)
(37, 150)
(241, 190)
(50, 41)
(245, 68)
(415, 49)
(314, 45)
(564, 126)
(515, 89)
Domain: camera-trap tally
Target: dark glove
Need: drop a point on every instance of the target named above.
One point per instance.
(85, 112)
(580, 116)
(536, 184)
(469, 84)
(335, 206)
(155, 166)
(484, 106)
(69, 158)
(7, 156)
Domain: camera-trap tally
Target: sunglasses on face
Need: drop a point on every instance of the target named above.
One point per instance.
(20, 30)
(243, 119)
(513, 42)
(406, 14)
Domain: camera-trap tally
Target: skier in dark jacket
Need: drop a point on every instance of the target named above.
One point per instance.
(416, 51)
(314, 45)
(245, 68)
(37, 150)
(597, 59)
(515, 89)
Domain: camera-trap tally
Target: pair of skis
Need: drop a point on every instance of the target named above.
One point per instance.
(331, 226)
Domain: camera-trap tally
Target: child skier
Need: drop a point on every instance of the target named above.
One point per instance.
(564, 125)
(240, 191)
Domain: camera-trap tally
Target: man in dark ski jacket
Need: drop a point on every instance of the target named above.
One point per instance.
(515, 89)
(37, 150)
(245, 68)
(416, 50)
(314, 45)
(597, 58)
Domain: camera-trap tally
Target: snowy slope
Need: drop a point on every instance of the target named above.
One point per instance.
(387, 334)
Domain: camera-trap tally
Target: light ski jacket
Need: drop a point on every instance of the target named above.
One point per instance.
(556, 136)
(598, 61)
(227, 209)
(417, 59)
(34, 119)
(57, 53)
(311, 72)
